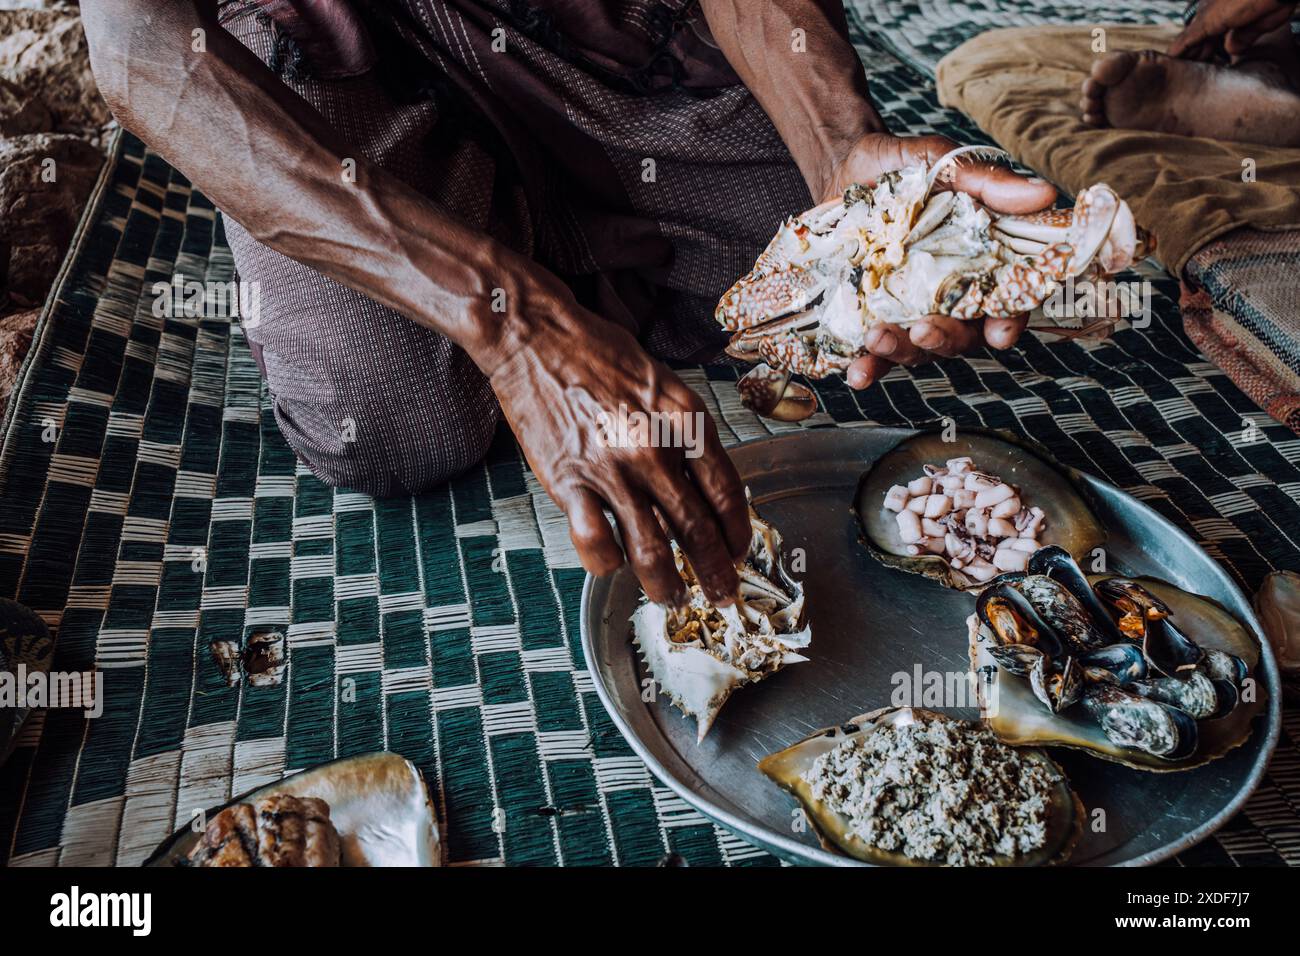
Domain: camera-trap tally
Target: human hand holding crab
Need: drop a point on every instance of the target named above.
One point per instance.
(996, 186)
(933, 257)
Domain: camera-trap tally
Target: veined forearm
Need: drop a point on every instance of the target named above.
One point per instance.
(812, 85)
(266, 158)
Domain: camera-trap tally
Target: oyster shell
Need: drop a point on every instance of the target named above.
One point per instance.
(788, 769)
(378, 802)
(1070, 524)
(699, 654)
(1115, 675)
(1278, 607)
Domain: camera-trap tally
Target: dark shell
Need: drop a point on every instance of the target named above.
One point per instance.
(1057, 605)
(1115, 663)
(1013, 619)
(1143, 616)
(1169, 651)
(1132, 604)
(1220, 665)
(1132, 721)
(1196, 695)
(1057, 564)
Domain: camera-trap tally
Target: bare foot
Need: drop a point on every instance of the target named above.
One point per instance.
(1252, 102)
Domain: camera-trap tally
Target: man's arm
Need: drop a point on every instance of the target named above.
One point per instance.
(818, 101)
(810, 83)
(268, 160)
(263, 155)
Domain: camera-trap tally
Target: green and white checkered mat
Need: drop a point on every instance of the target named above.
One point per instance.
(445, 627)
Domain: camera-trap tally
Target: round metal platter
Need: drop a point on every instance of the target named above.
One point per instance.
(871, 623)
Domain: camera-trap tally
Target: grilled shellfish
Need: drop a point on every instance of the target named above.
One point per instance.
(700, 654)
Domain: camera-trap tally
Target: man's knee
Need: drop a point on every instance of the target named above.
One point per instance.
(386, 455)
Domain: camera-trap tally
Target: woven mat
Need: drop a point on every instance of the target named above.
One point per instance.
(148, 505)
(921, 32)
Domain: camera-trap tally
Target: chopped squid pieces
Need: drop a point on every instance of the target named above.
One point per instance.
(975, 520)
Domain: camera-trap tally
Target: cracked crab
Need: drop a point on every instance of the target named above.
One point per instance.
(895, 253)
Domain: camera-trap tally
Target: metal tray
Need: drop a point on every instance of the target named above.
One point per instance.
(870, 622)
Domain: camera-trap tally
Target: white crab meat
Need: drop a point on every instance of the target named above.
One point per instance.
(700, 655)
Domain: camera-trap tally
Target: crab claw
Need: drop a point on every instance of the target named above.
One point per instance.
(1120, 249)
(771, 394)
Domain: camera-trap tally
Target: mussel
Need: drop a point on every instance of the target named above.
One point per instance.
(1120, 663)
(1140, 699)
(1196, 695)
(1015, 620)
(1140, 723)
(1220, 665)
(1132, 604)
(1145, 618)
(1028, 645)
(1057, 604)
(1058, 564)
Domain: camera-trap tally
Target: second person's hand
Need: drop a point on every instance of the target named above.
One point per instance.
(996, 186)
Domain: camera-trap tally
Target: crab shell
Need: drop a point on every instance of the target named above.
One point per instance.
(895, 253)
(697, 681)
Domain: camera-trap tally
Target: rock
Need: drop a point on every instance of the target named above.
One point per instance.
(21, 112)
(15, 340)
(43, 54)
(38, 216)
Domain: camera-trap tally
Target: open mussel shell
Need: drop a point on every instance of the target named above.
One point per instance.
(378, 803)
(1143, 616)
(787, 767)
(1070, 521)
(1010, 708)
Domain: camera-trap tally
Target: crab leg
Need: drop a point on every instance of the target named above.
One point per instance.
(757, 299)
(744, 344)
(794, 353)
